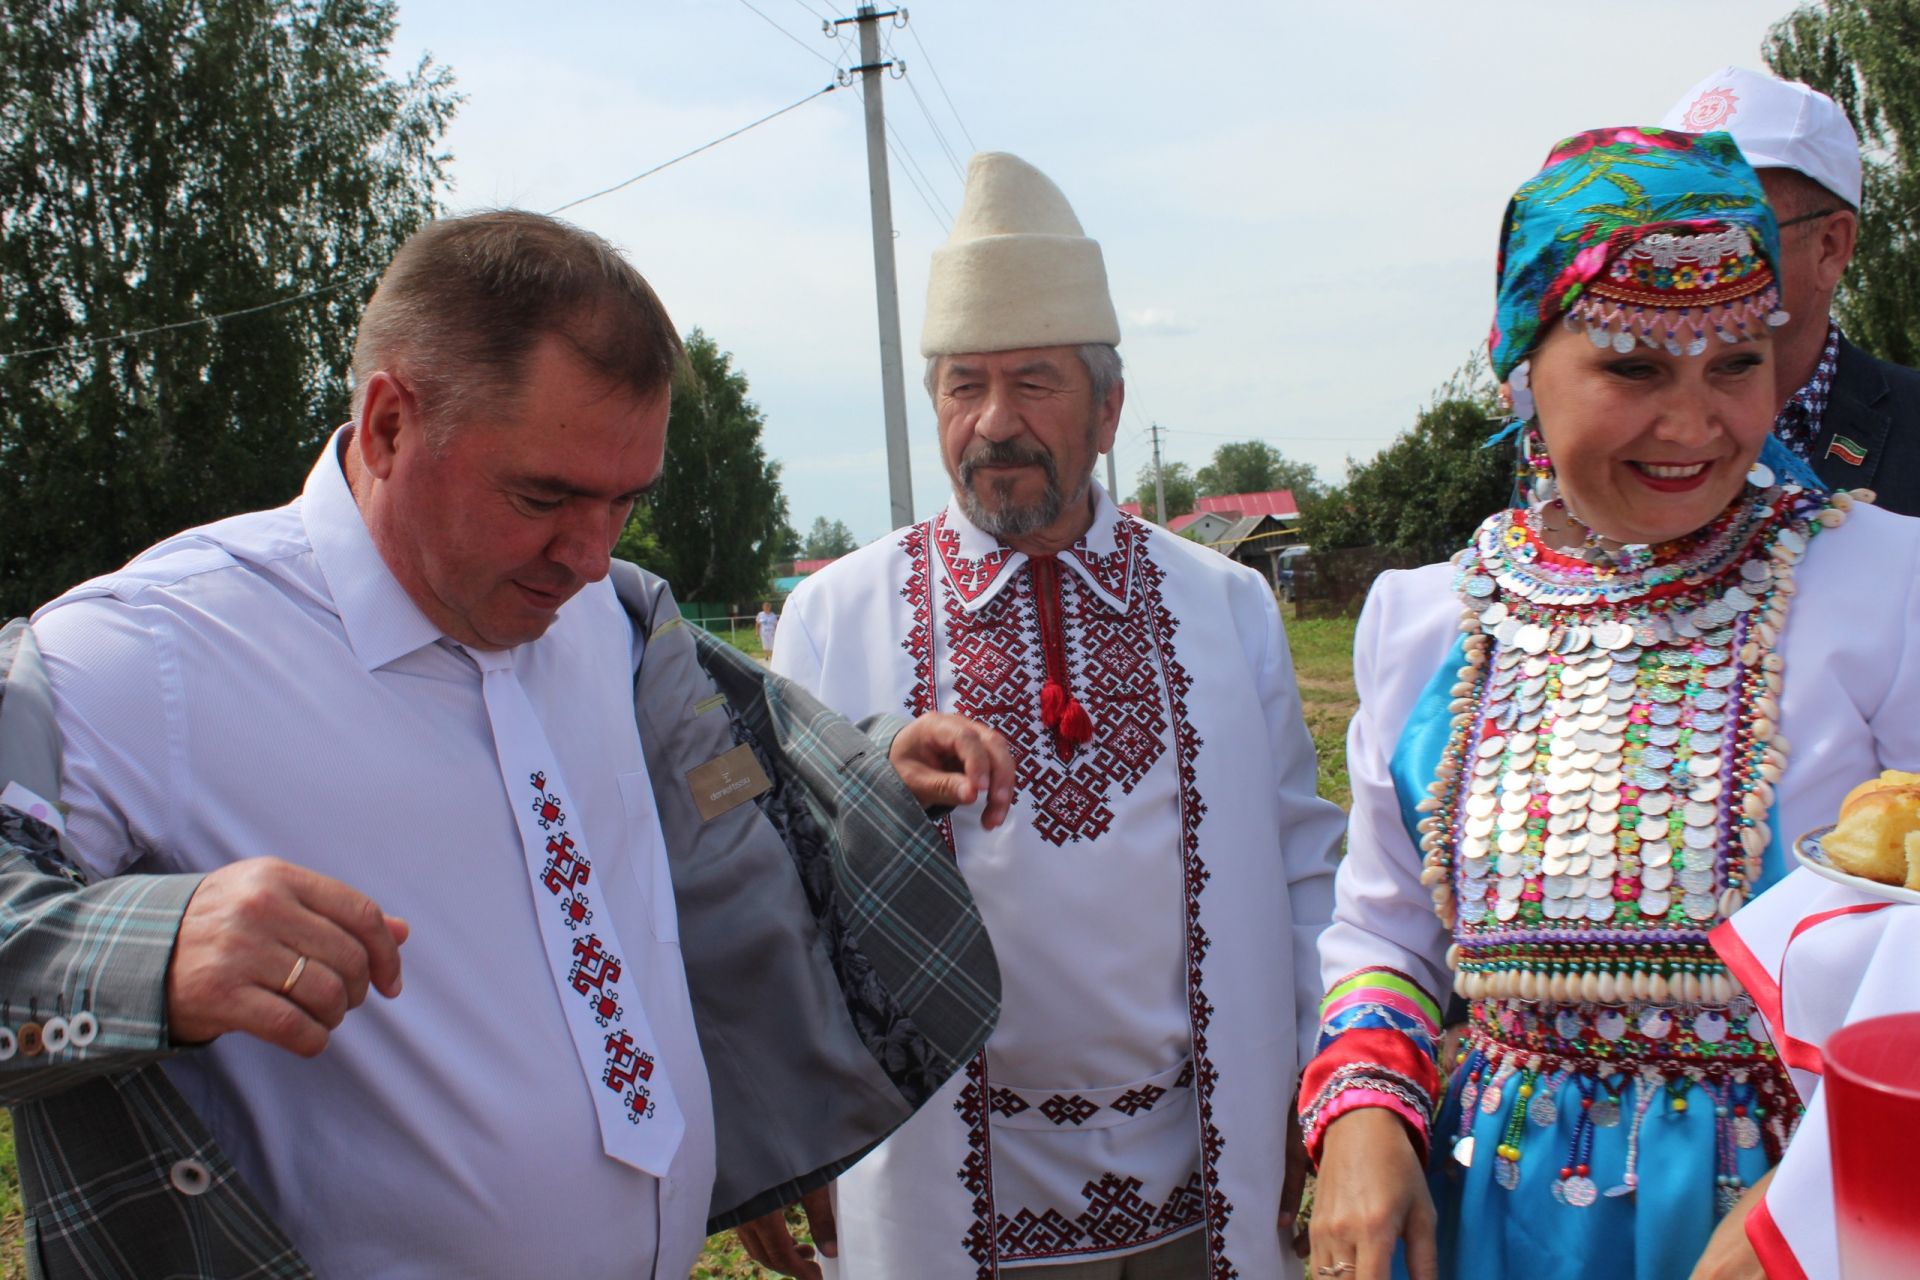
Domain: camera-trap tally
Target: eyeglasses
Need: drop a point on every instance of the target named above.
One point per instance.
(1809, 217)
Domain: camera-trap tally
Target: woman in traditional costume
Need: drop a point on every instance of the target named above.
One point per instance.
(1574, 739)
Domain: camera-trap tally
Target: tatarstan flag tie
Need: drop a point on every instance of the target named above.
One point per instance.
(640, 1120)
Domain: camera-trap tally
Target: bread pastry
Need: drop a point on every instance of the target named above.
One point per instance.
(1878, 835)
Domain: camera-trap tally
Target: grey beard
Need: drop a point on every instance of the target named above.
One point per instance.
(1006, 519)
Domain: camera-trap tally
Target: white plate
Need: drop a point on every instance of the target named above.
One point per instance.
(1814, 858)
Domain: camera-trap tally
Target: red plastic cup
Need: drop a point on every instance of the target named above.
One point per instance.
(1872, 1089)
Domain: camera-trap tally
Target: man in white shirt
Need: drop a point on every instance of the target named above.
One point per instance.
(1156, 890)
(400, 711)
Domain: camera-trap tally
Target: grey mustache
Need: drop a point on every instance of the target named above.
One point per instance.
(1004, 454)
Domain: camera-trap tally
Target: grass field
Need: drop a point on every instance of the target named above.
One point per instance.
(1322, 649)
(745, 639)
(1323, 666)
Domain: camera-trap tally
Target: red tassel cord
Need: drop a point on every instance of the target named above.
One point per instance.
(1060, 711)
(1053, 700)
(1075, 727)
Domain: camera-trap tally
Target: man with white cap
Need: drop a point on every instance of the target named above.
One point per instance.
(1854, 419)
(1155, 893)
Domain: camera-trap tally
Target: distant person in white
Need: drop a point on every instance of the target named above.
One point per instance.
(292, 702)
(768, 621)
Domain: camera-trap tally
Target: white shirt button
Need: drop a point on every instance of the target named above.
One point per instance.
(53, 1034)
(190, 1177)
(82, 1029)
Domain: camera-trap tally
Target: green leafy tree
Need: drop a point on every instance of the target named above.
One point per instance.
(827, 540)
(1254, 466)
(718, 518)
(639, 544)
(1177, 479)
(787, 545)
(1865, 55)
(164, 160)
(1426, 492)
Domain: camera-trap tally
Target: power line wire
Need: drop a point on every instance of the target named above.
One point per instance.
(914, 164)
(944, 222)
(130, 335)
(909, 165)
(838, 33)
(848, 39)
(915, 33)
(959, 170)
(190, 324)
(812, 12)
(896, 147)
(789, 35)
(687, 155)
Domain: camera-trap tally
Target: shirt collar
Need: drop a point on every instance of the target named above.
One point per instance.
(381, 620)
(1813, 395)
(978, 565)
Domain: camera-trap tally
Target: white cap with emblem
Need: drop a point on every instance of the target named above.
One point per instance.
(1779, 124)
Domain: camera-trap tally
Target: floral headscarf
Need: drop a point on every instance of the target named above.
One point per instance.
(1645, 235)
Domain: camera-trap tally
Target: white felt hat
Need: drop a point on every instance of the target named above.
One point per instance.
(1017, 271)
(1779, 124)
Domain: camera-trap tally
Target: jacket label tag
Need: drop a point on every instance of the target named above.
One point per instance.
(18, 797)
(727, 782)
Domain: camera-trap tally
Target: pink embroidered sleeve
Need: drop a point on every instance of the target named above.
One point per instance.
(1379, 1035)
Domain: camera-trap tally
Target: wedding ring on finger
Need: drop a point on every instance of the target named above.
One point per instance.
(299, 967)
(1337, 1269)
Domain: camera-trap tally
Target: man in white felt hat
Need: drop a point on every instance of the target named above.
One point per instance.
(1854, 419)
(1155, 892)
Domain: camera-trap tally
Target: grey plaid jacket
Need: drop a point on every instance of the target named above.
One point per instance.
(838, 968)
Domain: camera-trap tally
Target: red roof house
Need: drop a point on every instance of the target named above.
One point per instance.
(1274, 502)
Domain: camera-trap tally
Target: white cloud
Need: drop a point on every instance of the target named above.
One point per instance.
(1158, 322)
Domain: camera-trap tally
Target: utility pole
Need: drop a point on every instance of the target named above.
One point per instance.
(1159, 483)
(1113, 486)
(893, 386)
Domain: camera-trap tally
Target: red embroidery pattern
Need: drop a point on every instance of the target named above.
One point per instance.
(998, 673)
(595, 971)
(564, 873)
(1069, 1109)
(627, 1064)
(919, 641)
(976, 1175)
(1134, 1101)
(1076, 1109)
(970, 578)
(971, 1106)
(1111, 571)
(1199, 1009)
(1116, 1217)
(1121, 670)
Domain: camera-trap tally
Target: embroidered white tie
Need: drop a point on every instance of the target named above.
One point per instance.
(640, 1120)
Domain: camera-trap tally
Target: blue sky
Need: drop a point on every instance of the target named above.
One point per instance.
(1297, 204)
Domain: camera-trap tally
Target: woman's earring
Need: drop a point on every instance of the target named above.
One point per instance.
(1519, 390)
(1538, 467)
